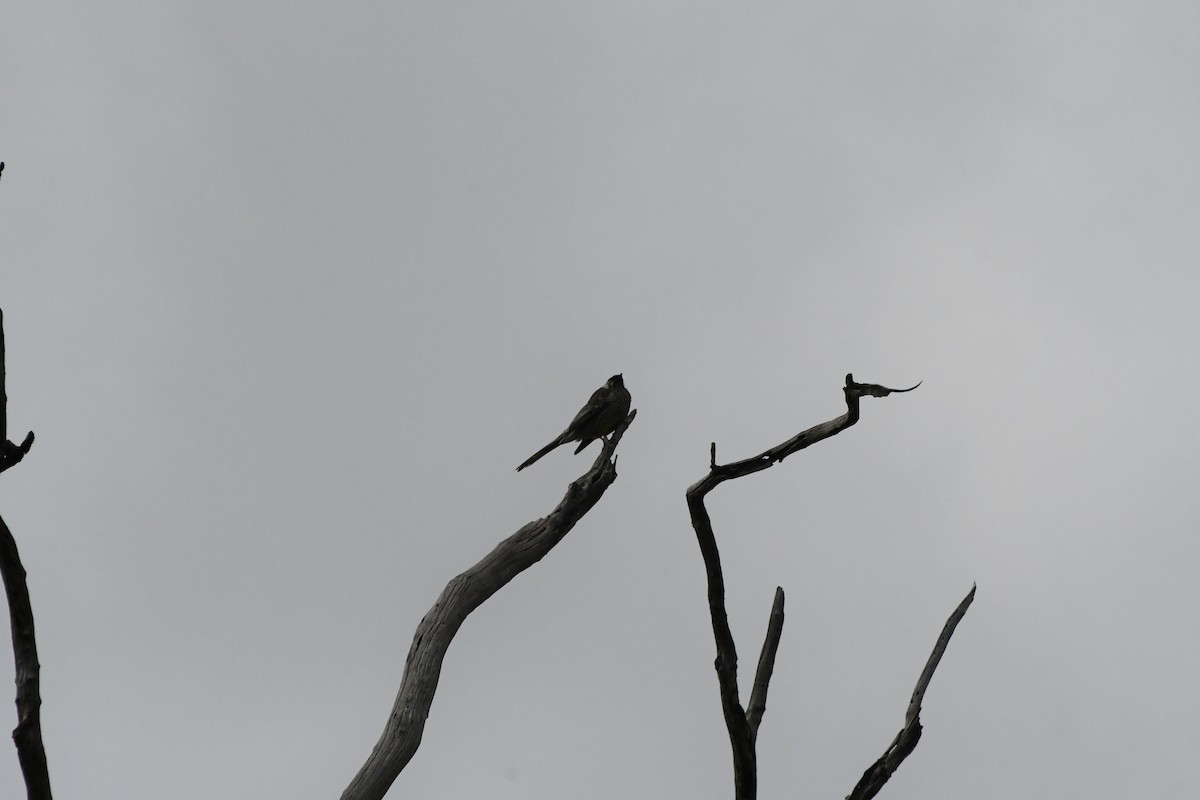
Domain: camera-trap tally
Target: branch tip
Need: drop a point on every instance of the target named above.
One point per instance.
(875, 389)
(906, 741)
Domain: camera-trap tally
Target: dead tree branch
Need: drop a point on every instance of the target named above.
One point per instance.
(462, 595)
(766, 665)
(10, 453)
(27, 736)
(742, 724)
(906, 740)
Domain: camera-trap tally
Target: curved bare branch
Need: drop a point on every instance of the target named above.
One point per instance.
(743, 725)
(462, 595)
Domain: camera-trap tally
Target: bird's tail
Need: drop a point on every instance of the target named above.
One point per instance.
(557, 441)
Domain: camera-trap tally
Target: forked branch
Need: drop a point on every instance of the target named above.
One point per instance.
(743, 724)
(462, 595)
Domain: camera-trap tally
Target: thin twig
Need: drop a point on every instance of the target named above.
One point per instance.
(766, 665)
(10, 454)
(906, 740)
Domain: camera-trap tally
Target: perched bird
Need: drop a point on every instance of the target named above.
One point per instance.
(607, 408)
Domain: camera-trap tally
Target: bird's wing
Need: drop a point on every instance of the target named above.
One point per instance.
(594, 406)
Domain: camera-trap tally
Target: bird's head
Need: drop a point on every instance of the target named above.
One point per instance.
(616, 381)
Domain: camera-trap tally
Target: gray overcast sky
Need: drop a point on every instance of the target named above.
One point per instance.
(290, 289)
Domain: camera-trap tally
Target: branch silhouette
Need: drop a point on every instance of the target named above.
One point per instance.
(27, 736)
(463, 594)
(743, 723)
(906, 740)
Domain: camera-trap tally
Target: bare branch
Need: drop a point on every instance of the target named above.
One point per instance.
(875, 390)
(769, 458)
(914, 705)
(906, 740)
(742, 731)
(27, 736)
(10, 454)
(740, 738)
(3, 377)
(766, 665)
(462, 595)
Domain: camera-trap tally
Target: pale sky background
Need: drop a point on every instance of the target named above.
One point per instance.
(290, 289)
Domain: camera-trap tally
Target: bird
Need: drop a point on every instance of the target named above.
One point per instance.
(607, 408)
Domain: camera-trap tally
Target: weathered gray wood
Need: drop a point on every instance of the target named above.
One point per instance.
(906, 740)
(462, 595)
